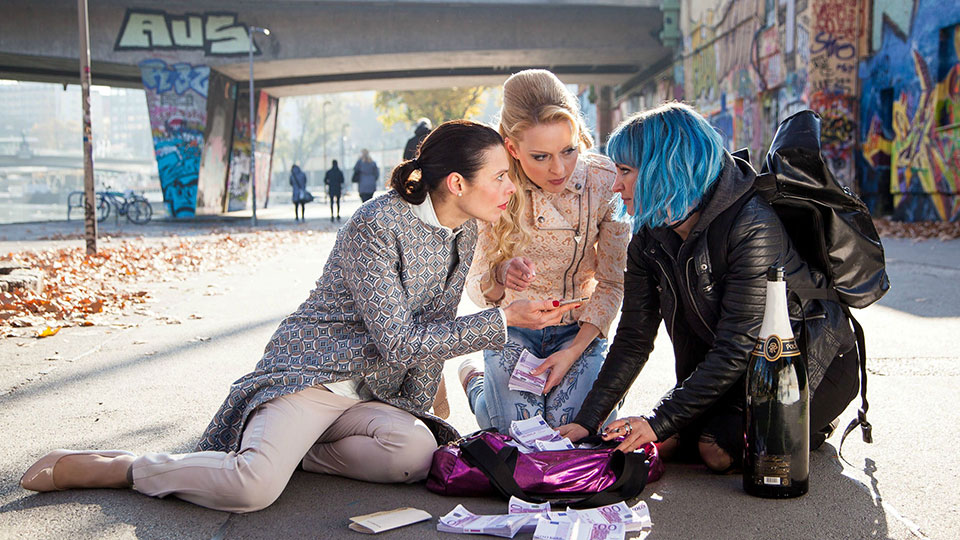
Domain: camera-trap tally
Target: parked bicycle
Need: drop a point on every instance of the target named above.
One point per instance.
(135, 207)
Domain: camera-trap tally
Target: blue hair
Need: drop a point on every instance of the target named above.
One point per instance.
(678, 156)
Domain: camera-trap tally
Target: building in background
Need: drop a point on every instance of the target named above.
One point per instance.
(883, 75)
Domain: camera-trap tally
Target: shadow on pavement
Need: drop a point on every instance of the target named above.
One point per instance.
(687, 503)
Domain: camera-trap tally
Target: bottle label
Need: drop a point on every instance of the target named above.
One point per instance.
(773, 348)
(772, 470)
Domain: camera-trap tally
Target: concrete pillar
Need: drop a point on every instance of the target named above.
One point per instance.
(604, 115)
(177, 103)
(221, 109)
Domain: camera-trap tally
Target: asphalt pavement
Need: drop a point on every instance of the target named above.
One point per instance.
(148, 385)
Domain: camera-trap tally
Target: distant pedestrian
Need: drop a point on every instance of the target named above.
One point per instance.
(419, 133)
(298, 180)
(334, 181)
(366, 173)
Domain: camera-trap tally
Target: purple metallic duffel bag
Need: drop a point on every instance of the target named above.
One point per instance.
(484, 464)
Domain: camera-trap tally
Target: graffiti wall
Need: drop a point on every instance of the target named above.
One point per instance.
(884, 75)
(832, 81)
(177, 103)
(745, 66)
(909, 123)
(720, 78)
(239, 184)
(212, 182)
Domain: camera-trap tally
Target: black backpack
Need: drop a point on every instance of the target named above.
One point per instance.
(828, 224)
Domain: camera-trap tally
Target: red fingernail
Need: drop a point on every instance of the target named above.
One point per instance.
(556, 303)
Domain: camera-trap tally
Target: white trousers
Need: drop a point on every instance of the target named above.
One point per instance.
(327, 433)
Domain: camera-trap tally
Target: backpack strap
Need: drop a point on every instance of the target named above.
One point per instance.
(861, 419)
(830, 295)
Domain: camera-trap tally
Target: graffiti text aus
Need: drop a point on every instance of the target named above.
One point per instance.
(216, 33)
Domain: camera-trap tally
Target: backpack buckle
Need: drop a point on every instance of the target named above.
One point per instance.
(865, 426)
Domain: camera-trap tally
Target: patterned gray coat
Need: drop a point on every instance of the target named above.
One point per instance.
(384, 309)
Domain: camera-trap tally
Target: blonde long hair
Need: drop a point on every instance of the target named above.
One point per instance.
(530, 98)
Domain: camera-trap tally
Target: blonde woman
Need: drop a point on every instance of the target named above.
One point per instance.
(560, 238)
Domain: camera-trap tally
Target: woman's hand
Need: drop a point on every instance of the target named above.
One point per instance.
(572, 431)
(559, 364)
(516, 273)
(635, 429)
(535, 314)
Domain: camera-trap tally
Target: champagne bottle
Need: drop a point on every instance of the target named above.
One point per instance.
(776, 460)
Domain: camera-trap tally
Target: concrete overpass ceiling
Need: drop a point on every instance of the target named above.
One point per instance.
(323, 46)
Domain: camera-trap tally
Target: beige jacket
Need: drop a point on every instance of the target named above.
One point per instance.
(577, 243)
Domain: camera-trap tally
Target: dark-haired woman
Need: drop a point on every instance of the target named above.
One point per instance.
(677, 183)
(345, 382)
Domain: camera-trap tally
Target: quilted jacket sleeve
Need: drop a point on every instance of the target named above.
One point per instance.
(639, 320)
(373, 278)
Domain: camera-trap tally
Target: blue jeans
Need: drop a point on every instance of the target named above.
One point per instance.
(496, 406)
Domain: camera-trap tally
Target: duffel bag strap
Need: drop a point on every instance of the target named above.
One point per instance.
(494, 466)
(630, 470)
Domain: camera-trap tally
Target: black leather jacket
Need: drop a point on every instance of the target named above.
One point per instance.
(712, 320)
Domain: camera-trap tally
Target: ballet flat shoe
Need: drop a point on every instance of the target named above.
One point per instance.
(39, 477)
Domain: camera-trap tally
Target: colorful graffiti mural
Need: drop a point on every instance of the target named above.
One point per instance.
(909, 129)
(177, 104)
(883, 74)
(731, 62)
(238, 177)
(832, 81)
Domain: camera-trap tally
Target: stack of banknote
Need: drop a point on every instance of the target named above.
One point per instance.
(578, 530)
(610, 522)
(460, 520)
(634, 517)
(534, 434)
(522, 380)
(532, 510)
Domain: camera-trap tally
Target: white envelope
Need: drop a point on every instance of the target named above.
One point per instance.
(390, 519)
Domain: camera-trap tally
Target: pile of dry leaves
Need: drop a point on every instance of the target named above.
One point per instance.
(82, 290)
(922, 230)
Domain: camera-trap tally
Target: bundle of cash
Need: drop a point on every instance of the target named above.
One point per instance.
(522, 380)
(634, 518)
(577, 530)
(520, 506)
(462, 521)
(531, 430)
(563, 444)
(529, 509)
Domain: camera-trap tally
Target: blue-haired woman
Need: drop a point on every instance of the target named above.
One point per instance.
(681, 190)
